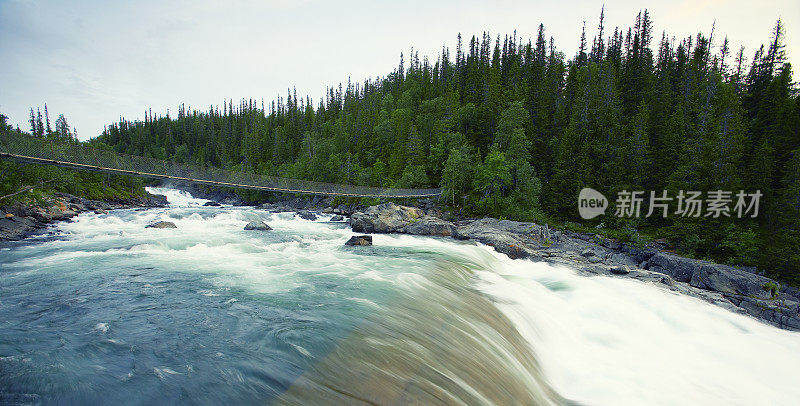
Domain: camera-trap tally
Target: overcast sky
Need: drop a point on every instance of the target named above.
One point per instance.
(95, 61)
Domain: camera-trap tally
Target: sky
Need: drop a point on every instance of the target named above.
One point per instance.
(96, 61)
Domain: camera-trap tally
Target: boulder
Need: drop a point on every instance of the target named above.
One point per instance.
(257, 225)
(346, 210)
(486, 231)
(714, 277)
(42, 216)
(430, 226)
(619, 270)
(211, 204)
(359, 240)
(337, 218)
(679, 268)
(152, 200)
(385, 218)
(65, 215)
(14, 230)
(162, 224)
(727, 279)
(307, 215)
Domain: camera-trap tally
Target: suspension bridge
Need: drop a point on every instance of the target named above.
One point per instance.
(75, 155)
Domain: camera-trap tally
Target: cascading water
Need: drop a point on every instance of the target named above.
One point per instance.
(106, 311)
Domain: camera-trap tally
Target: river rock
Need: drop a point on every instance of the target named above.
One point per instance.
(337, 218)
(307, 215)
(257, 225)
(359, 240)
(430, 226)
(211, 203)
(487, 231)
(10, 229)
(162, 224)
(711, 276)
(385, 218)
(619, 270)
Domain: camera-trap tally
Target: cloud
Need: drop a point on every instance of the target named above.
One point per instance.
(95, 61)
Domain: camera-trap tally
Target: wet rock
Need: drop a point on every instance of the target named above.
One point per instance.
(486, 231)
(307, 215)
(162, 224)
(68, 214)
(359, 240)
(42, 216)
(14, 230)
(233, 201)
(211, 204)
(347, 210)
(257, 225)
(96, 205)
(337, 218)
(619, 270)
(714, 277)
(740, 290)
(430, 226)
(385, 218)
(679, 268)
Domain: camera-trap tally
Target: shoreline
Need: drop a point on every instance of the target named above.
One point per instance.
(18, 221)
(732, 288)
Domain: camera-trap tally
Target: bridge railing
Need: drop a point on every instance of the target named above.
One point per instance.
(82, 156)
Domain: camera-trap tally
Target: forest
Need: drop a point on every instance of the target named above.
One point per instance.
(515, 128)
(29, 184)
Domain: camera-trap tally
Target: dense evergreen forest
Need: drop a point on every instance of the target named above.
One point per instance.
(31, 183)
(514, 128)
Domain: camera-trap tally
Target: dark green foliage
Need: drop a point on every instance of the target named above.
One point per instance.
(514, 129)
(45, 180)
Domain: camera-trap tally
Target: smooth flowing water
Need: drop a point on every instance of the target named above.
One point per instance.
(106, 311)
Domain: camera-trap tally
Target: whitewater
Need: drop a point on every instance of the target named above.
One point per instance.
(101, 310)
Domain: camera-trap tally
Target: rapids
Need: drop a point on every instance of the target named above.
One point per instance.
(105, 311)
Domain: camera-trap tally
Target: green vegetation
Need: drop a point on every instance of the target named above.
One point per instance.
(30, 183)
(514, 129)
(772, 288)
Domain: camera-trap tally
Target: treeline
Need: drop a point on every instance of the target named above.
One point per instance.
(514, 128)
(31, 183)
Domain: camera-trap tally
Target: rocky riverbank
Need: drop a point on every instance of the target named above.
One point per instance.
(18, 220)
(733, 288)
(736, 289)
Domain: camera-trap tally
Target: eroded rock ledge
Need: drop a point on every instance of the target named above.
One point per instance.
(18, 221)
(733, 288)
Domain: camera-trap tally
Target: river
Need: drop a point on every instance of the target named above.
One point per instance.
(102, 310)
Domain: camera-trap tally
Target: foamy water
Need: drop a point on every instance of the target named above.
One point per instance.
(111, 312)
